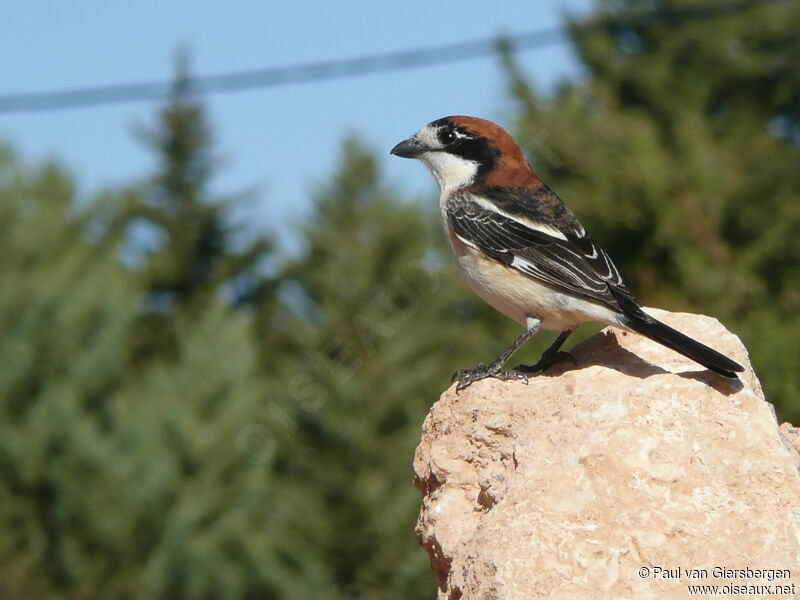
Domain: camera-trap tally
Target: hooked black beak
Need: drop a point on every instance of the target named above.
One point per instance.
(409, 148)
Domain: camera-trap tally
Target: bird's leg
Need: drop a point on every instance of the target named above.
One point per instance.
(550, 356)
(467, 377)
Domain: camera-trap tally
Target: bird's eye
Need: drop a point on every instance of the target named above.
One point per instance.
(447, 137)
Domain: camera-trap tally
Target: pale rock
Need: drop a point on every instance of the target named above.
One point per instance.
(634, 458)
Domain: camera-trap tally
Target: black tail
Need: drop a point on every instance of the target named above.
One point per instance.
(671, 338)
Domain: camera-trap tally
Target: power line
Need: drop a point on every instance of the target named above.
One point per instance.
(327, 70)
(273, 77)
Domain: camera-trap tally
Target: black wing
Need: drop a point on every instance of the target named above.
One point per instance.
(553, 249)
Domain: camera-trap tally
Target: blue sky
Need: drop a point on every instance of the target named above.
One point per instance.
(277, 141)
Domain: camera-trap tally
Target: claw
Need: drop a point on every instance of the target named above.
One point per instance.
(464, 372)
(466, 377)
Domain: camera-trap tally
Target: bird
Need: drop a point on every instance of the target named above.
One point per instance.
(523, 251)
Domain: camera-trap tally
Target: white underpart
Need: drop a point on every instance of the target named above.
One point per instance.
(532, 323)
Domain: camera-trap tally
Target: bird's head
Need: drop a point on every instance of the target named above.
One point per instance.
(465, 151)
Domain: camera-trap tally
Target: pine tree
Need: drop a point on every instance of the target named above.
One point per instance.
(379, 321)
(266, 453)
(64, 310)
(680, 153)
(123, 480)
(181, 237)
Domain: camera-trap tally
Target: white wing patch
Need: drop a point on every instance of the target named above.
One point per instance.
(526, 266)
(540, 227)
(467, 242)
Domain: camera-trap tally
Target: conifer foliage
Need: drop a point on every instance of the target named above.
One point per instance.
(680, 154)
(178, 421)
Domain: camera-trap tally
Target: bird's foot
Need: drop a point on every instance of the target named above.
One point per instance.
(466, 377)
(547, 360)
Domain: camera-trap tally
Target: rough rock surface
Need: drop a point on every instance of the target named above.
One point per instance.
(636, 458)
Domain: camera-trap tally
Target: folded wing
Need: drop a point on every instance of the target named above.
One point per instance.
(563, 257)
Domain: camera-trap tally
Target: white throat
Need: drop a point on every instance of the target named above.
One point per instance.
(451, 172)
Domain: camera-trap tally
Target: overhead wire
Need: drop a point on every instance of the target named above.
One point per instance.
(271, 77)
